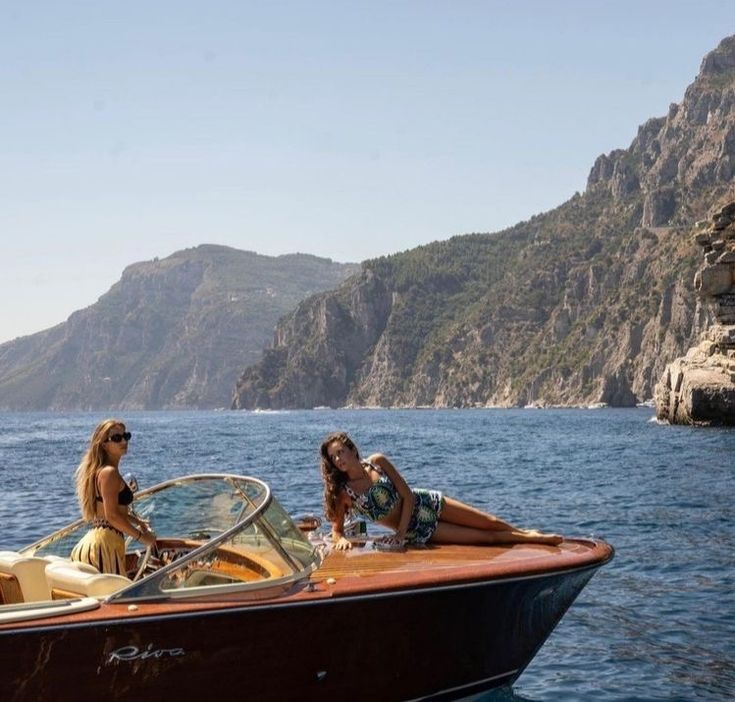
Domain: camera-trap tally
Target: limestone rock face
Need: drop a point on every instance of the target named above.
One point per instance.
(692, 147)
(319, 349)
(700, 387)
(658, 207)
(172, 333)
(581, 305)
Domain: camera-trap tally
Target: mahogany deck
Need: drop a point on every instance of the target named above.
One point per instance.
(363, 572)
(355, 570)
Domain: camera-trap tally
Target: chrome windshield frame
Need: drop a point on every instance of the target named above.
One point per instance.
(194, 477)
(148, 588)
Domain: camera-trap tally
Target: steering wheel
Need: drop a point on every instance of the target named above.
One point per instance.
(144, 561)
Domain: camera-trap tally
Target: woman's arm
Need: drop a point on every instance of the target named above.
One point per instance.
(341, 543)
(138, 521)
(109, 485)
(407, 498)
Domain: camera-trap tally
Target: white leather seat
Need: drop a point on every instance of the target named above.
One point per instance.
(74, 579)
(29, 574)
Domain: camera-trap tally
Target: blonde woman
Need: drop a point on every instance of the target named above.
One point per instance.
(104, 498)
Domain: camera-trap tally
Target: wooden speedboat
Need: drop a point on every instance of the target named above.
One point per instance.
(239, 601)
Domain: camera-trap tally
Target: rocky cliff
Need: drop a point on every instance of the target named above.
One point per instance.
(584, 304)
(172, 333)
(700, 387)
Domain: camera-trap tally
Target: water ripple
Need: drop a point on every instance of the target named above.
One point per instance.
(658, 623)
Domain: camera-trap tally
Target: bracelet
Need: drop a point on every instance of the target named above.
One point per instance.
(140, 533)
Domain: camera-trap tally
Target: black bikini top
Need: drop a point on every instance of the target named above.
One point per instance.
(124, 497)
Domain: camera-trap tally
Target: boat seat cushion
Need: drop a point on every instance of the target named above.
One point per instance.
(73, 579)
(84, 567)
(29, 572)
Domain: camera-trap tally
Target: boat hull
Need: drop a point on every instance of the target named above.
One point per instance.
(441, 642)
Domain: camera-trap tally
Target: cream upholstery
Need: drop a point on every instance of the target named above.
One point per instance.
(82, 579)
(85, 567)
(29, 571)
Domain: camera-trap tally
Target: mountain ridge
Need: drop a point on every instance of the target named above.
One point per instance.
(582, 304)
(173, 332)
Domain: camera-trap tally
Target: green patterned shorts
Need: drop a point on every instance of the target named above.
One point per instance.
(427, 509)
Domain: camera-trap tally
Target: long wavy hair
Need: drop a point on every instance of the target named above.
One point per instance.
(94, 458)
(334, 479)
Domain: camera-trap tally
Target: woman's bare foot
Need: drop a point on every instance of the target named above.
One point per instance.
(537, 537)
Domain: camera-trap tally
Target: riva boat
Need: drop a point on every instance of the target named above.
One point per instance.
(239, 601)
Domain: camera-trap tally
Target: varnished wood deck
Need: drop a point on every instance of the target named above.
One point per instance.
(357, 569)
(362, 571)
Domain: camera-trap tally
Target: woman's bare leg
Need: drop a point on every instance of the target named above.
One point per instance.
(447, 533)
(458, 513)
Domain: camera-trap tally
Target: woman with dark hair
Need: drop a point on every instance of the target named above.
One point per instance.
(104, 498)
(376, 489)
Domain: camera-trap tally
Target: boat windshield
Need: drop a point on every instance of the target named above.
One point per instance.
(212, 531)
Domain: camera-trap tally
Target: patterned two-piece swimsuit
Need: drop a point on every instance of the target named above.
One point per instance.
(379, 499)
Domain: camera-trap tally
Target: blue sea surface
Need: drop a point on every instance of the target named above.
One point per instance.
(658, 623)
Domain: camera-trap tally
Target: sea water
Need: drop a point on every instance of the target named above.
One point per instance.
(658, 623)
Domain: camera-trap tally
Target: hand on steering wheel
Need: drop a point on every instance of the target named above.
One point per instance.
(144, 561)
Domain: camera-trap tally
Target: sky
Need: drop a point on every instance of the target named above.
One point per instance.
(344, 129)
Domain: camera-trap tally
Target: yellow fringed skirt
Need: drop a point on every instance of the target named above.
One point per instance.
(104, 548)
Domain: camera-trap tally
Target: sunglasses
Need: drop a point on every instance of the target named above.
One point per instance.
(117, 438)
